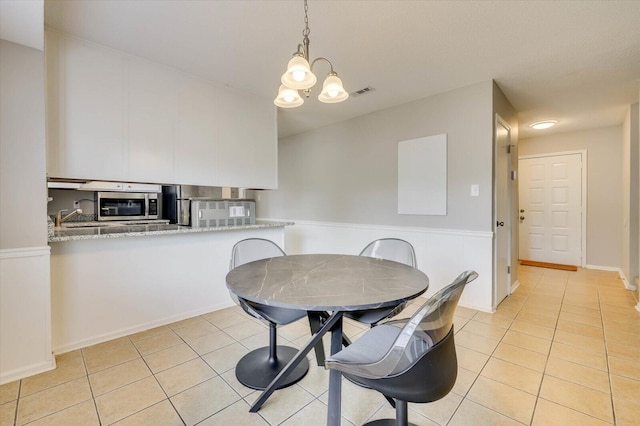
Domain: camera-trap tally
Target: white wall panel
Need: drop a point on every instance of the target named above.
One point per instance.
(441, 254)
(25, 313)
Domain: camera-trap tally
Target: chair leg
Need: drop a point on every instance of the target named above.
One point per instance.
(259, 367)
(402, 415)
(392, 402)
(316, 319)
(273, 344)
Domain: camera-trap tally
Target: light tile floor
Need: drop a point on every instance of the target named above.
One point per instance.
(564, 349)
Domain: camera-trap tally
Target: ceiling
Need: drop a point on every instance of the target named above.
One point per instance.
(574, 61)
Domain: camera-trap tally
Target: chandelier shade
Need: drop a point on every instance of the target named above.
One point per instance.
(288, 98)
(298, 75)
(332, 90)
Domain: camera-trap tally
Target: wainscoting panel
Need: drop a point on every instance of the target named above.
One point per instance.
(441, 254)
(25, 313)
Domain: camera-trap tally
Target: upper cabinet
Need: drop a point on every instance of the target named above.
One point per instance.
(113, 116)
(86, 105)
(152, 111)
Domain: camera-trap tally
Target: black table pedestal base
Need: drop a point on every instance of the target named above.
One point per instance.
(384, 422)
(256, 370)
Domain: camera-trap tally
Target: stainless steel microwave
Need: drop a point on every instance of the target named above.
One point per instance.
(126, 205)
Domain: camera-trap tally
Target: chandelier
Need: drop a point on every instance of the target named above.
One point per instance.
(299, 76)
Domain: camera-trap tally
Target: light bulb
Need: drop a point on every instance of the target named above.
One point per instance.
(298, 75)
(333, 93)
(289, 98)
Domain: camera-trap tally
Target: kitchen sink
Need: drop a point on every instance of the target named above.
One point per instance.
(84, 225)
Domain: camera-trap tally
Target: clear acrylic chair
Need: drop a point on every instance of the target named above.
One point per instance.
(409, 360)
(389, 249)
(259, 367)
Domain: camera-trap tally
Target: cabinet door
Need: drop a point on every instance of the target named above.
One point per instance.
(152, 94)
(264, 172)
(196, 133)
(92, 136)
(249, 141)
(233, 120)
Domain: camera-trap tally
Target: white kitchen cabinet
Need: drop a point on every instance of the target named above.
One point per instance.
(196, 134)
(89, 139)
(152, 94)
(224, 137)
(264, 169)
(248, 143)
(113, 116)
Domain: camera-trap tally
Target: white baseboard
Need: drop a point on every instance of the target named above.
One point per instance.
(26, 371)
(603, 268)
(627, 284)
(135, 329)
(477, 307)
(515, 286)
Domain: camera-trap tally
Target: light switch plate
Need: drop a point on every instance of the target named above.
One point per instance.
(475, 190)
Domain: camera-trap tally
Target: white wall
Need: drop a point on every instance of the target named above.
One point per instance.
(339, 184)
(630, 178)
(347, 172)
(22, 148)
(604, 186)
(25, 332)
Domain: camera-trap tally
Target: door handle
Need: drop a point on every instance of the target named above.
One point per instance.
(521, 217)
(499, 223)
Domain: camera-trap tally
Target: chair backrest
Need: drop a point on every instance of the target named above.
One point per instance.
(391, 249)
(253, 249)
(424, 330)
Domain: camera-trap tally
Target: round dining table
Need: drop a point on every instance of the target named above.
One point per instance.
(321, 283)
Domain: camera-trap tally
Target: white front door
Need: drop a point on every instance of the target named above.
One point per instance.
(551, 209)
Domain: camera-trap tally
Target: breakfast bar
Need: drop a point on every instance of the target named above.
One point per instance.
(111, 281)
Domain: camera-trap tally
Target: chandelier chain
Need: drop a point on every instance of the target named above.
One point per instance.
(306, 30)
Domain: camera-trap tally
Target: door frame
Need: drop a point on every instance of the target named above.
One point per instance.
(583, 237)
(499, 121)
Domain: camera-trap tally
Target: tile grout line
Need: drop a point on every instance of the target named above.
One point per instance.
(93, 398)
(606, 352)
(546, 362)
(157, 382)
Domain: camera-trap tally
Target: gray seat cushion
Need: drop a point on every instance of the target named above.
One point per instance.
(371, 347)
(277, 315)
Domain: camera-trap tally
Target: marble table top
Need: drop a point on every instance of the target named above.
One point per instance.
(326, 282)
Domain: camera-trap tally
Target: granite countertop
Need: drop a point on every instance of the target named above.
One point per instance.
(94, 230)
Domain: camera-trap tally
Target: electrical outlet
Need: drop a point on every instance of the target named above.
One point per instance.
(76, 204)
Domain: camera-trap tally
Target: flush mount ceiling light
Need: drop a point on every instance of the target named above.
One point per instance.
(541, 125)
(299, 76)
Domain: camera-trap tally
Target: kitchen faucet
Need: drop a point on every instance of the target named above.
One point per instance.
(60, 219)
